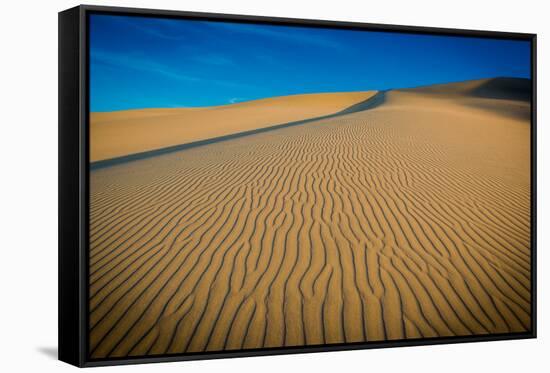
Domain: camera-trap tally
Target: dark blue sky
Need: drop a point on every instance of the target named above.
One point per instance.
(140, 62)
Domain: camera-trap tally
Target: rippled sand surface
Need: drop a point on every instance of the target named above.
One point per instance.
(408, 219)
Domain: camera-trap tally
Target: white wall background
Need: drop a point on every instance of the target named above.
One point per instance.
(28, 184)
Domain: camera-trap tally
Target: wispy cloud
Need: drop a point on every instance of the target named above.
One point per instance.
(140, 63)
(162, 28)
(282, 33)
(172, 31)
(234, 100)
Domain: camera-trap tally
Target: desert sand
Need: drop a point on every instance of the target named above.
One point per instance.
(409, 219)
(121, 133)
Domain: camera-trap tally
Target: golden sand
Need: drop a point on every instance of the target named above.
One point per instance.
(121, 133)
(407, 220)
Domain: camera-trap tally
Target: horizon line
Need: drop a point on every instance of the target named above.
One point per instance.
(305, 93)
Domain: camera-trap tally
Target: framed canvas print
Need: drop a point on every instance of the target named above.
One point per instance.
(236, 186)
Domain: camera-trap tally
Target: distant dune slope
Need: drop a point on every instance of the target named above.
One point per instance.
(121, 133)
(495, 88)
(502, 96)
(407, 220)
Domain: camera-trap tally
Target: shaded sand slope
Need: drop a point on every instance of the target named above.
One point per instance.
(517, 89)
(408, 220)
(121, 133)
(503, 96)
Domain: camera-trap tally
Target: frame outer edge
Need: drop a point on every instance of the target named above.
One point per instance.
(534, 313)
(81, 333)
(69, 248)
(83, 189)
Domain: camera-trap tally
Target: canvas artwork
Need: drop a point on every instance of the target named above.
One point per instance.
(265, 186)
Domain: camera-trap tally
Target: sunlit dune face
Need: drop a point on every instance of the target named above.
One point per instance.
(118, 134)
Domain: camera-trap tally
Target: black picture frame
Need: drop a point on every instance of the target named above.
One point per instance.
(74, 183)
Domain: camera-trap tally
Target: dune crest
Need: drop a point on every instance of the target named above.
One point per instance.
(508, 97)
(122, 133)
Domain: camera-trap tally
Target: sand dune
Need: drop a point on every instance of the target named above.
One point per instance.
(407, 220)
(494, 88)
(502, 96)
(153, 129)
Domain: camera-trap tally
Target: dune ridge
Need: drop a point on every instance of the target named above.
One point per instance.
(494, 88)
(154, 129)
(501, 96)
(410, 219)
(373, 101)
